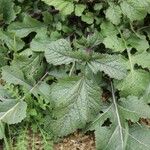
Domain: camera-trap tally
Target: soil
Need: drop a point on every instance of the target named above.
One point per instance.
(77, 141)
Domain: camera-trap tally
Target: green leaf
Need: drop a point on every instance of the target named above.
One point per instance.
(31, 65)
(114, 43)
(11, 111)
(2, 130)
(14, 75)
(41, 42)
(138, 138)
(139, 43)
(3, 56)
(88, 18)
(13, 42)
(113, 14)
(79, 8)
(142, 59)
(76, 101)
(29, 24)
(7, 10)
(135, 9)
(66, 7)
(129, 108)
(111, 129)
(108, 29)
(110, 64)
(135, 83)
(59, 53)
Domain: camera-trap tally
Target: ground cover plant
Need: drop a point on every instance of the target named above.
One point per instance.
(68, 65)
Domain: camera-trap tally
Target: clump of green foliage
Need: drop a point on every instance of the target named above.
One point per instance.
(75, 64)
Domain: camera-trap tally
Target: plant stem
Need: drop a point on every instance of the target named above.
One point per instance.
(128, 52)
(117, 114)
(72, 68)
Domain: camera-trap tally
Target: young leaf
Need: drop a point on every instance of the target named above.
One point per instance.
(76, 101)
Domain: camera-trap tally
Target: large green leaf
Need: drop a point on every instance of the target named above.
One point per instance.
(108, 29)
(113, 13)
(135, 9)
(114, 43)
(59, 52)
(13, 42)
(11, 110)
(111, 129)
(138, 138)
(135, 83)
(65, 6)
(3, 56)
(29, 24)
(129, 108)
(31, 65)
(14, 75)
(111, 65)
(142, 59)
(139, 43)
(76, 102)
(41, 42)
(7, 10)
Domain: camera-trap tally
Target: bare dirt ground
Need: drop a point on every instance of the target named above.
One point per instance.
(77, 141)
